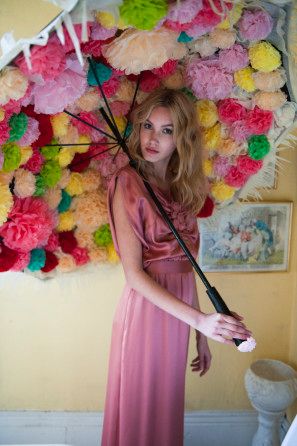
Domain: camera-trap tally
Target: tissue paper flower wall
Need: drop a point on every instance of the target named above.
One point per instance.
(56, 157)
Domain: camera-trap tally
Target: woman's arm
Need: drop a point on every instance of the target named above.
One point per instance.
(215, 326)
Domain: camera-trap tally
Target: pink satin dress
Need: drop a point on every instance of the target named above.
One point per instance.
(146, 382)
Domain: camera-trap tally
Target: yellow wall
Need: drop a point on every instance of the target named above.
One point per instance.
(55, 334)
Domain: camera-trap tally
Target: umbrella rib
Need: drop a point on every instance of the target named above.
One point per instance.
(80, 144)
(89, 124)
(131, 107)
(93, 156)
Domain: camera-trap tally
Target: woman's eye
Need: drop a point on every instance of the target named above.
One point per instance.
(147, 125)
(168, 131)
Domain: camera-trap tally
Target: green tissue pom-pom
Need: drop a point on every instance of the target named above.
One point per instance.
(143, 14)
(102, 236)
(37, 259)
(103, 73)
(39, 186)
(189, 93)
(51, 173)
(18, 125)
(12, 157)
(258, 146)
(65, 202)
(50, 152)
(184, 38)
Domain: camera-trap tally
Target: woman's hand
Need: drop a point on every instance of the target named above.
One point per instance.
(202, 362)
(222, 328)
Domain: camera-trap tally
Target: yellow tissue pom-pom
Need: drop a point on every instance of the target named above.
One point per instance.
(83, 139)
(2, 114)
(264, 57)
(221, 191)
(232, 18)
(207, 167)
(244, 79)
(112, 256)
(75, 185)
(120, 122)
(65, 156)
(106, 19)
(207, 113)
(59, 124)
(6, 202)
(212, 136)
(26, 153)
(66, 221)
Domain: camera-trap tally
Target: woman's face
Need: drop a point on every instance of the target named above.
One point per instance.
(156, 139)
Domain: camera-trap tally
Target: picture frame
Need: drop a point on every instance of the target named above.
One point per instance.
(250, 237)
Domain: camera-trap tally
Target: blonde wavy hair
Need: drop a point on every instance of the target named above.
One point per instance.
(188, 183)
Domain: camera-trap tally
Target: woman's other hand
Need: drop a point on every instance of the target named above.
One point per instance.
(202, 362)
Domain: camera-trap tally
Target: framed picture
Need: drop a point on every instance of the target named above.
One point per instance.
(247, 238)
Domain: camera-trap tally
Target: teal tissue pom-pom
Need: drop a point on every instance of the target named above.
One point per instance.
(184, 38)
(37, 259)
(103, 73)
(65, 202)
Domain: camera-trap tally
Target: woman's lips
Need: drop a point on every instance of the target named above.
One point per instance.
(151, 151)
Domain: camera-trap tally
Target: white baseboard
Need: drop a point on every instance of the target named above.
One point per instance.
(202, 428)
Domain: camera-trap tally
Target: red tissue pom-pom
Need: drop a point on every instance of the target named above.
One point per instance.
(149, 81)
(80, 256)
(207, 208)
(80, 162)
(258, 121)
(230, 111)
(45, 126)
(8, 257)
(51, 261)
(67, 241)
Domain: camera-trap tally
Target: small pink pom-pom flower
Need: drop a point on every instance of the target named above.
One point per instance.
(230, 111)
(234, 58)
(30, 224)
(206, 19)
(235, 178)
(34, 163)
(93, 48)
(149, 82)
(98, 32)
(119, 108)
(83, 128)
(259, 121)
(110, 87)
(48, 61)
(52, 243)
(247, 165)
(4, 132)
(12, 107)
(221, 165)
(80, 255)
(22, 262)
(184, 12)
(255, 24)
(208, 79)
(239, 131)
(32, 133)
(166, 69)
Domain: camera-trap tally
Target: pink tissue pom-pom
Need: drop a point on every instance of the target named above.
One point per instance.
(184, 12)
(206, 19)
(4, 132)
(80, 255)
(85, 129)
(259, 121)
(255, 24)
(22, 262)
(248, 165)
(239, 131)
(166, 69)
(1, 156)
(98, 32)
(30, 224)
(149, 82)
(234, 58)
(32, 133)
(119, 108)
(52, 243)
(208, 79)
(93, 47)
(11, 107)
(221, 166)
(247, 346)
(110, 87)
(55, 95)
(34, 163)
(48, 61)
(235, 178)
(230, 111)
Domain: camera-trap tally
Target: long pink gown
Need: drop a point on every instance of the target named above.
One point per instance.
(146, 382)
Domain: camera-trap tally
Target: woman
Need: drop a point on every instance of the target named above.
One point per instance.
(145, 391)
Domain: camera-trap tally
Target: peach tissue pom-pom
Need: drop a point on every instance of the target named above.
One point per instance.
(130, 51)
(91, 180)
(234, 58)
(222, 38)
(203, 46)
(66, 263)
(270, 100)
(53, 196)
(208, 79)
(270, 81)
(13, 85)
(24, 183)
(255, 24)
(90, 210)
(176, 80)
